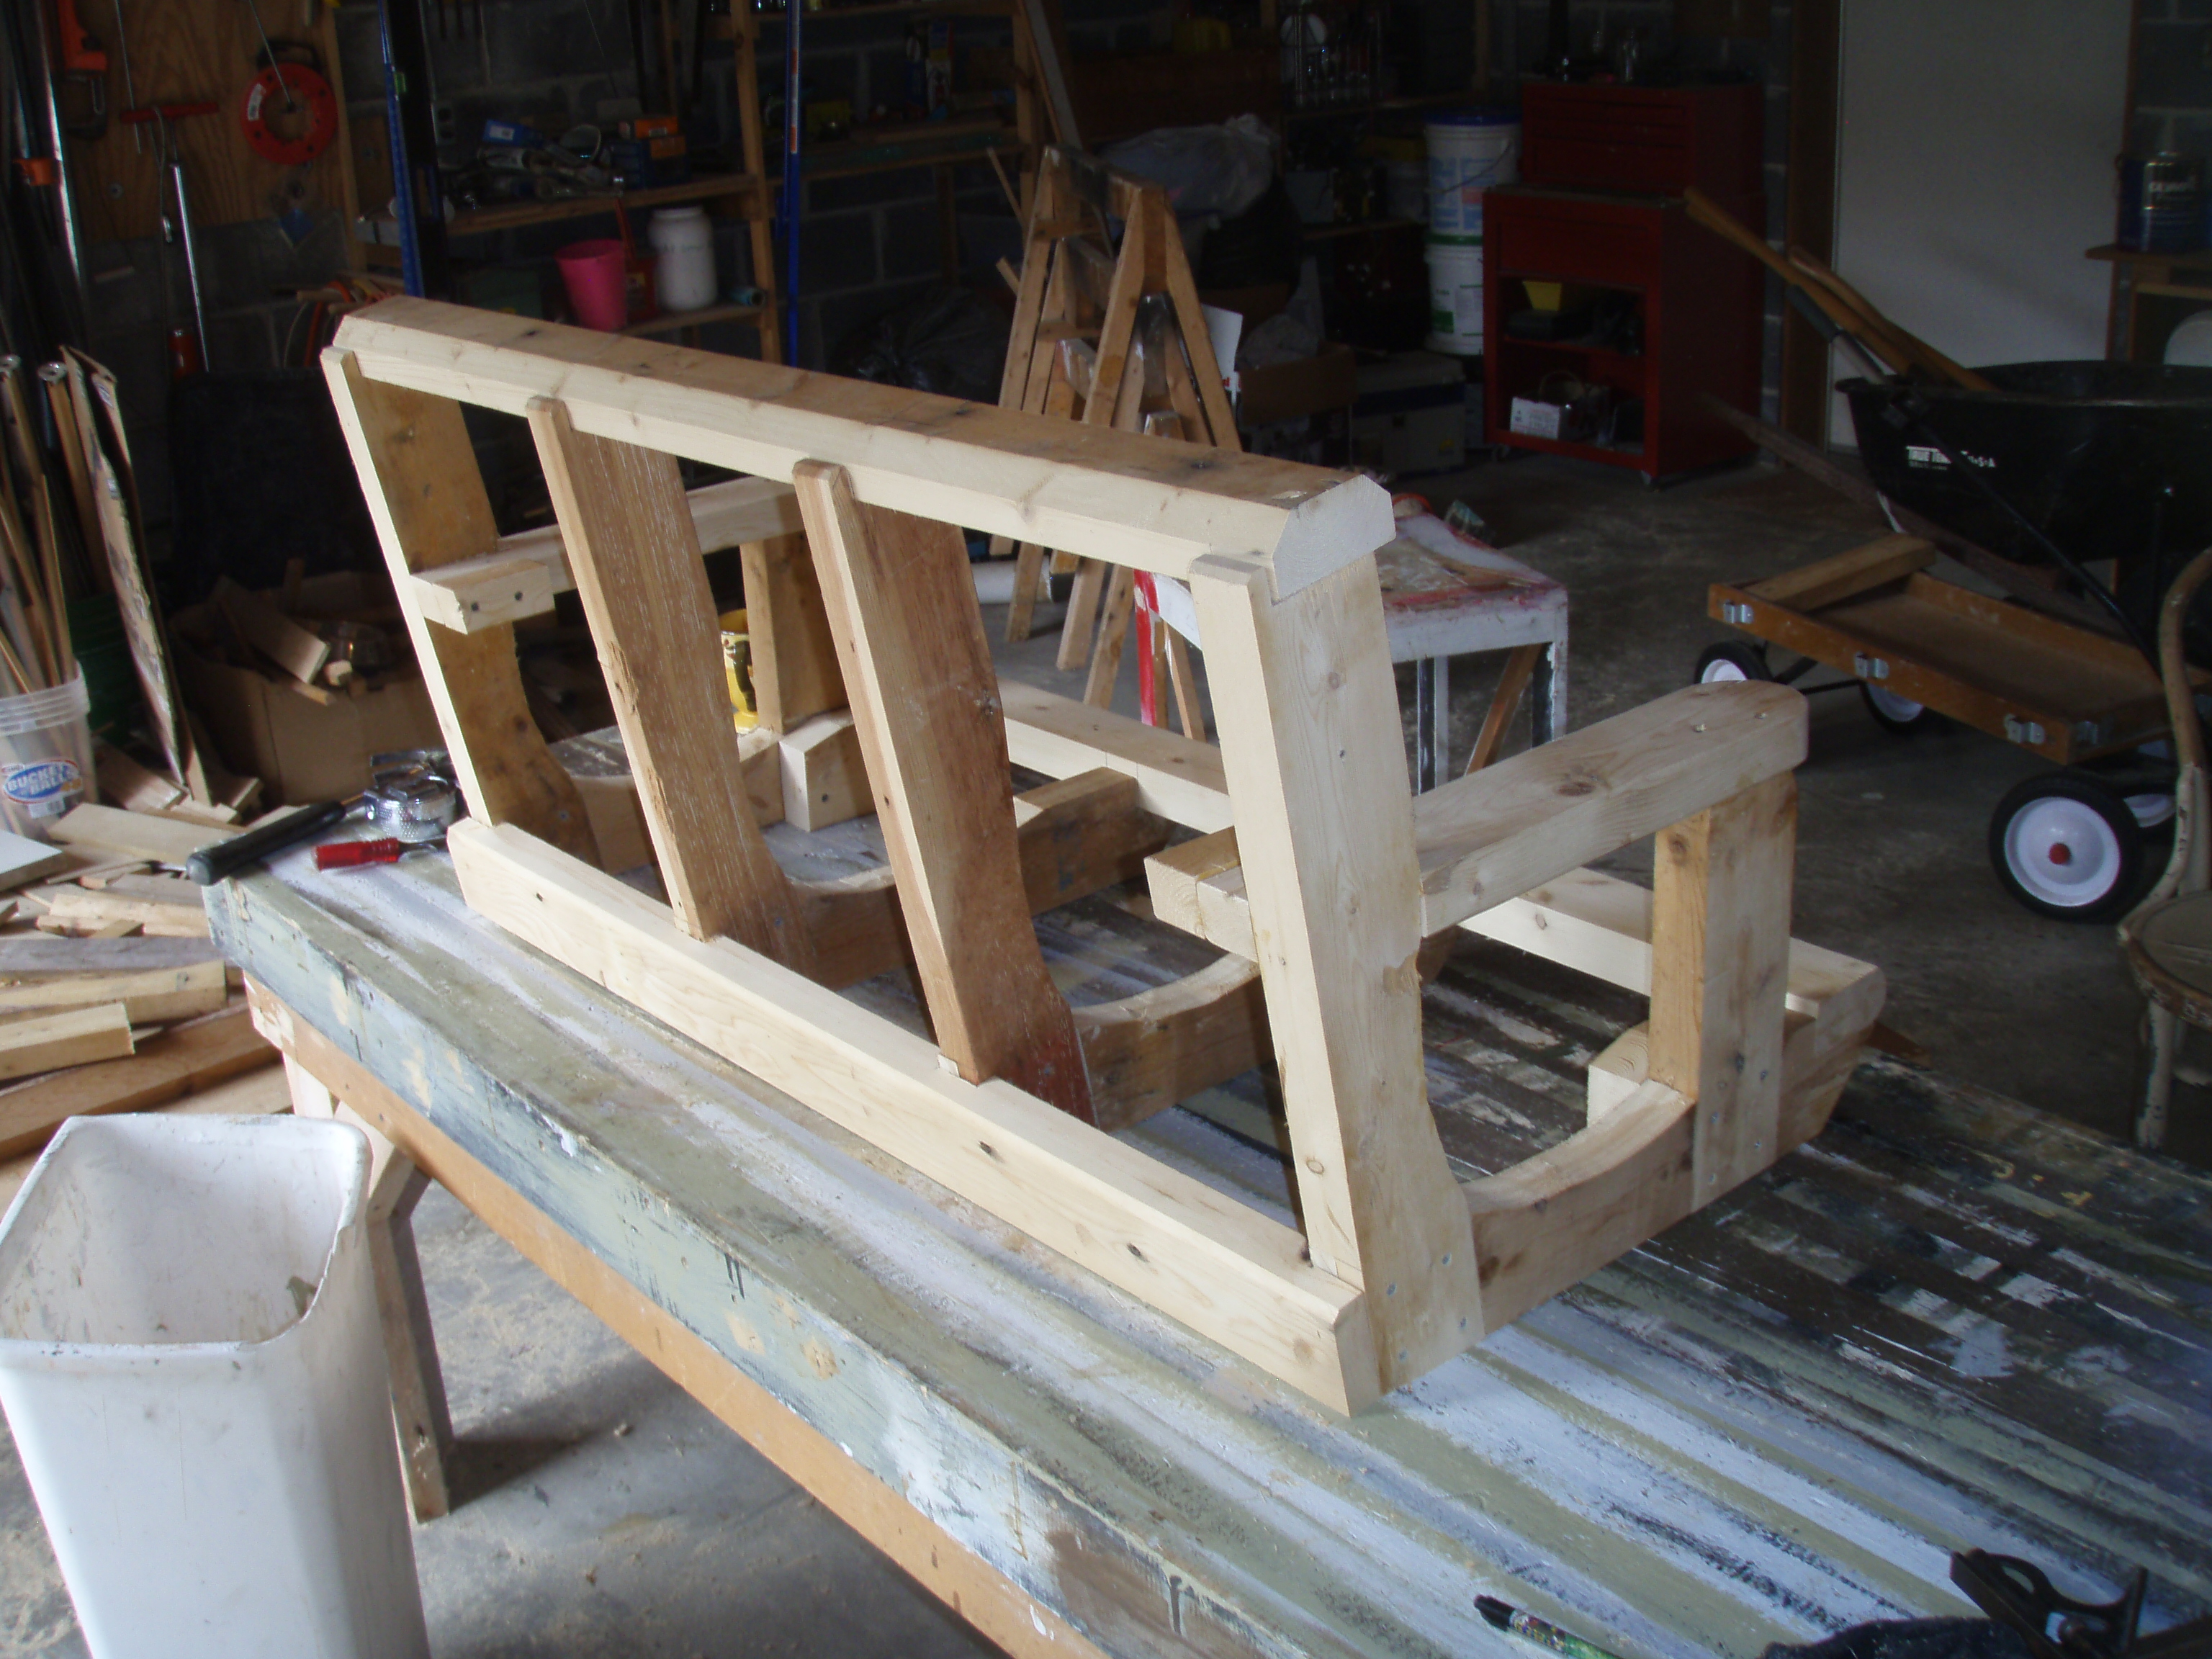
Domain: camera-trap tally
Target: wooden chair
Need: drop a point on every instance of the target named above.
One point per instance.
(2166, 940)
(1317, 873)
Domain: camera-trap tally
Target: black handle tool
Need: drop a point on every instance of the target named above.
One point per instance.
(224, 858)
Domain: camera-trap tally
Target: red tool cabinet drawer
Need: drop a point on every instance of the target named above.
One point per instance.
(1580, 243)
(1656, 139)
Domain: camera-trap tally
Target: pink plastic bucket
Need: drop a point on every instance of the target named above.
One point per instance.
(593, 274)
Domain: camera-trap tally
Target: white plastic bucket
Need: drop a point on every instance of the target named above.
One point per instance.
(683, 274)
(45, 756)
(1470, 151)
(191, 1362)
(1456, 298)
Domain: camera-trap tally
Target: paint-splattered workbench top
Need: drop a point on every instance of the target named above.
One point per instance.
(1949, 1322)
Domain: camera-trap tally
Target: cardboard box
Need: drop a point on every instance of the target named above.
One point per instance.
(303, 747)
(1307, 386)
(1411, 416)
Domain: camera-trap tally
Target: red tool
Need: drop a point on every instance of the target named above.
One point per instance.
(349, 854)
(84, 69)
(312, 92)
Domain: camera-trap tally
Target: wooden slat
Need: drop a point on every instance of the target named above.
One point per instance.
(645, 591)
(427, 499)
(66, 1036)
(138, 835)
(902, 609)
(154, 997)
(1060, 483)
(1886, 559)
(1721, 944)
(1211, 1261)
(183, 1058)
(795, 673)
(1495, 833)
(1315, 759)
(530, 567)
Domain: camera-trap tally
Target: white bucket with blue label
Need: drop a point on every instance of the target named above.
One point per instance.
(46, 758)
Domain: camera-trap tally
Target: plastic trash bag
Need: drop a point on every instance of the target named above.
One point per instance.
(947, 341)
(1221, 169)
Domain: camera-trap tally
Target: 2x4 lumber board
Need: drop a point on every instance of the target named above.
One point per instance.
(795, 673)
(1494, 834)
(427, 499)
(1177, 778)
(136, 835)
(652, 615)
(1719, 963)
(65, 1036)
(23, 960)
(159, 904)
(520, 579)
(183, 1058)
(152, 997)
(1202, 1258)
(1315, 757)
(1886, 559)
(937, 1560)
(902, 611)
(1089, 489)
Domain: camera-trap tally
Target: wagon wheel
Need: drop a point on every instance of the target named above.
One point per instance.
(2066, 844)
(1732, 660)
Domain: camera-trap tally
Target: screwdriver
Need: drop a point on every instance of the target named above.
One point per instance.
(347, 854)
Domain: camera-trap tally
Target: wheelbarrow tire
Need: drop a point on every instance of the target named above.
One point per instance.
(1892, 713)
(2066, 845)
(1733, 660)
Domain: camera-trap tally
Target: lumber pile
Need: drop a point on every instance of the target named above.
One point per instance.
(113, 997)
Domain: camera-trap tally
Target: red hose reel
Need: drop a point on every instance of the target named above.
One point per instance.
(266, 97)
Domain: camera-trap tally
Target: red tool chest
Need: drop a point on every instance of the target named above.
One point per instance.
(1600, 211)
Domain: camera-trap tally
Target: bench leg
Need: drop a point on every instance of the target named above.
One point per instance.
(411, 1352)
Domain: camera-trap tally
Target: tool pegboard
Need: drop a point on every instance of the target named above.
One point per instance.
(192, 52)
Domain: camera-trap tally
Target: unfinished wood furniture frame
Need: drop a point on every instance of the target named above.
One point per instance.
(1335, 878)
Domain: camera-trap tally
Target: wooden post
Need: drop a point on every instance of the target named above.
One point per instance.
(917, 667)
(1315, 759)
(428, 501)
(794, 660)
(1720, 968)
(635, 554)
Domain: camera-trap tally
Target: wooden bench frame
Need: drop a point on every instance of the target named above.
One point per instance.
(1335, 879)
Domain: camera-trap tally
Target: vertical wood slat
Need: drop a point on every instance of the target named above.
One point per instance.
(794, 661)
(635, 554)
(1720, 970)
(1314, 759)
(925, 698)
(430, 508)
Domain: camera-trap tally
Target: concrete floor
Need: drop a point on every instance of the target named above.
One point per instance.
(608, 1515)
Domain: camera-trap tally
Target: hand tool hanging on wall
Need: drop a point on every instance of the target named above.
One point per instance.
(59, 177)
(130, 86)
(165, 118)
(81, 72)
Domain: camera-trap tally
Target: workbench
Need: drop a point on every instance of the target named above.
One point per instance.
(1949, 1322)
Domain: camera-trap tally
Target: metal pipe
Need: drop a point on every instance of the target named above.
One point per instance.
(176, 163)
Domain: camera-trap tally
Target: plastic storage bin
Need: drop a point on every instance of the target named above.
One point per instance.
(191, 1362)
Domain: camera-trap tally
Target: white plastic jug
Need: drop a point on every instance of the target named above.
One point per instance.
(191, 1363)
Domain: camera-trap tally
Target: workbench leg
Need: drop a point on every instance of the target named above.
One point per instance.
(418, 1382)
(411, 1349)
(1547, 707)
(1431, 721)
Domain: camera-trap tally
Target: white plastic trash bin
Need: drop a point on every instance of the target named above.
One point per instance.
(191, 1362)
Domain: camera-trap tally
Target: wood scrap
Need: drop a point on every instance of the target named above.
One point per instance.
(193, 1055)
(66, 1037)
(23, 860)
(162, 905)
(300, 651)
(136, 835)
(26, 957)
(151, 997)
